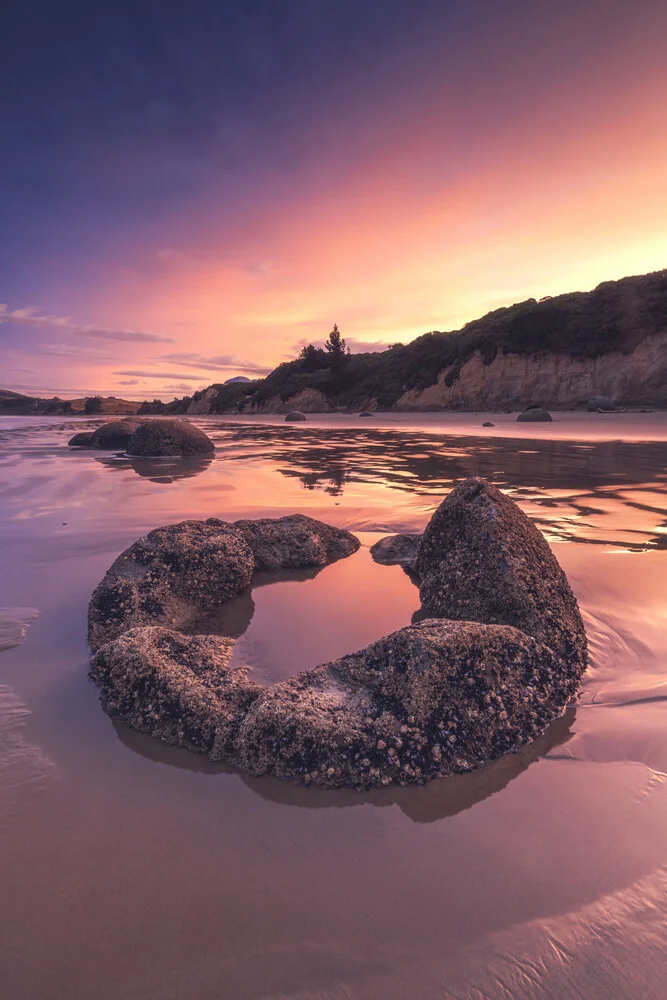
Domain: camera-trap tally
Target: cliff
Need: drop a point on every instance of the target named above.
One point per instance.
(559, 352)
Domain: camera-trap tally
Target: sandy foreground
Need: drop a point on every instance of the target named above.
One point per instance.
(133, 870)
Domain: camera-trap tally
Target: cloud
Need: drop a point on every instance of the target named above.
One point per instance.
(179, 387)
(28, 317)
(258, 268)
(217, 362)
(174, 375)
(128, 381)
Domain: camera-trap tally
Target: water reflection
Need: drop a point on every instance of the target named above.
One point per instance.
(158, 470)
(423, 804)
(569, 488)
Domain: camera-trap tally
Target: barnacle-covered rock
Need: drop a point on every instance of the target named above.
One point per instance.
(169, 578)
(177, 688)
(433, 698)
(499, 656)
(295, 541)
(397, 550)
(482, 559)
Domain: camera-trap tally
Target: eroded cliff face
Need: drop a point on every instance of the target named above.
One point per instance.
(555, 380)
(308, 401)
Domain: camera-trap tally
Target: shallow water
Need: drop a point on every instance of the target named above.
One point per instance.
(131, 870)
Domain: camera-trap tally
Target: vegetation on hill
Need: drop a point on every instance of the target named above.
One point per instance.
(615, 316)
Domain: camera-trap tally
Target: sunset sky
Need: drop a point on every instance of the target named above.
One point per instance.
(191, 191)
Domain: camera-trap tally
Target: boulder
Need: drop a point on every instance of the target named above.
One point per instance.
(487, 423)
(600, 403)
(294, 541)
(482, 559)
(295, 415)
(365, 413)
(534, 414)
(84, 439)
(500, 654)
(397, 550)
(169, 578)
(170, 437)
(434, 698)
(177, 688)
(115, 434)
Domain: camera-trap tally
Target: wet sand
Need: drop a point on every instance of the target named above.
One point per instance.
(131, 870)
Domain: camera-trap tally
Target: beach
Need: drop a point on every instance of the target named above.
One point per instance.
(131, 869)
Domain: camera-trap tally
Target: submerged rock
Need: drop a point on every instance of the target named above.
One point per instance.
(295, 541)
(500, 655)
(397, 550)
(84, 439)
(535, 414)
(295, 415)
(170, 437)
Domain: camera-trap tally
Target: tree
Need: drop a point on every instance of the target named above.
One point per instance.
(335, 344)
(313, 358)
(93, 405)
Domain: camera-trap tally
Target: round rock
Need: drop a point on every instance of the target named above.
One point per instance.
(534, 415)
(170, 437)
(600, 403)
(295, 415)
(84, 439)
(115, 434)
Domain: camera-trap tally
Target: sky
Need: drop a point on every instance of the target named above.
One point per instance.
(193, 191)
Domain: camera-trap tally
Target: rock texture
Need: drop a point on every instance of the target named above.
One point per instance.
(295, 541)
(482, 559)
(177, 688)
(500, 655)
(170, 437)
(429, 699)
(169, 577)
(295, 415)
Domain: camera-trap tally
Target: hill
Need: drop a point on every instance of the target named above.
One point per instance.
(16, 404)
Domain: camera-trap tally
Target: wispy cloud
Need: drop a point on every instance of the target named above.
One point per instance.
(217, 362)
(174, 375)
(30, 318)
(127, 381)
(179, 387)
